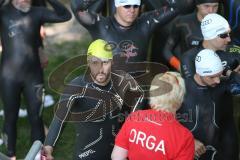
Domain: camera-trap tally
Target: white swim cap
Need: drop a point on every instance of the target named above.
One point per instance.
(208, 63)
(119, 3)
(212, 25)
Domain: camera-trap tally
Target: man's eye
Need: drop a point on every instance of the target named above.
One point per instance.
(94, 62)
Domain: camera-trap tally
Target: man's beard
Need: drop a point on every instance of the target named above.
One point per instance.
(106, 80)
(23, 8)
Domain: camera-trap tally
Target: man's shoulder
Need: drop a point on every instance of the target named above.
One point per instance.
(186, 17)
(78, 81)
(121, 74)
(190, 53)
(194, 50)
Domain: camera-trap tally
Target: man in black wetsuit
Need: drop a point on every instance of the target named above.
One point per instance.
(186, 32)
(128, 33)
(94, 102)
(20, 69)
(216, 34)
(209, 107)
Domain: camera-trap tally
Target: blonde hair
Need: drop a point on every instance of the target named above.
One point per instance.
(170, 94)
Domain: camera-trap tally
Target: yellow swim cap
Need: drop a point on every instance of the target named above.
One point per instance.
(100, 49)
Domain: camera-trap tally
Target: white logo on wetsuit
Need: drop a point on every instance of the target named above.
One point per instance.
(14, 27)
(195, 43)
(87, 153)
(224, 64)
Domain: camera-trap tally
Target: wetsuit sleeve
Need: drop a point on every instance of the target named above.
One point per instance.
(65, 104)
(235, 77)
(171, 43)
(58, 120)
(232, 56)
(159, 16)
(39, 3)
(152, 4)
(134, 94)
(60, 13)
(97, 6)
(85, 10)
(187, 63)
(54, 132)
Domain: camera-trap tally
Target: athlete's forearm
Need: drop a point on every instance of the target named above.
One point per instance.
(97, 7)
(84, 10)
(154, 4)
(61, 11)
(164, 15)
(54, 132)
(187, 66)
(168, 53)
(82, 5)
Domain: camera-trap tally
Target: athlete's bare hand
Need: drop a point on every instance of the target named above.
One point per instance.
(46, 153)
(199, 148)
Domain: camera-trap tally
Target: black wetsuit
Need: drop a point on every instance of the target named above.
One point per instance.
(129, 42)
(208, 113)
(96, 112)
(186, 33)
(20, 69)
(39, 2)
(221, 113)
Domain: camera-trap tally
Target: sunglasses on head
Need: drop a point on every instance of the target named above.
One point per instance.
(224, 35)
(131, 6)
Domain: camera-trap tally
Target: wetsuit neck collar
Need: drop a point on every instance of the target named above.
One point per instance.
(105, 88)
(118, 25)
(200, 86)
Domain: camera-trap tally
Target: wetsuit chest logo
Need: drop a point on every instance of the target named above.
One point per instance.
(128, 49)
(15, 27)
(195, 43)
